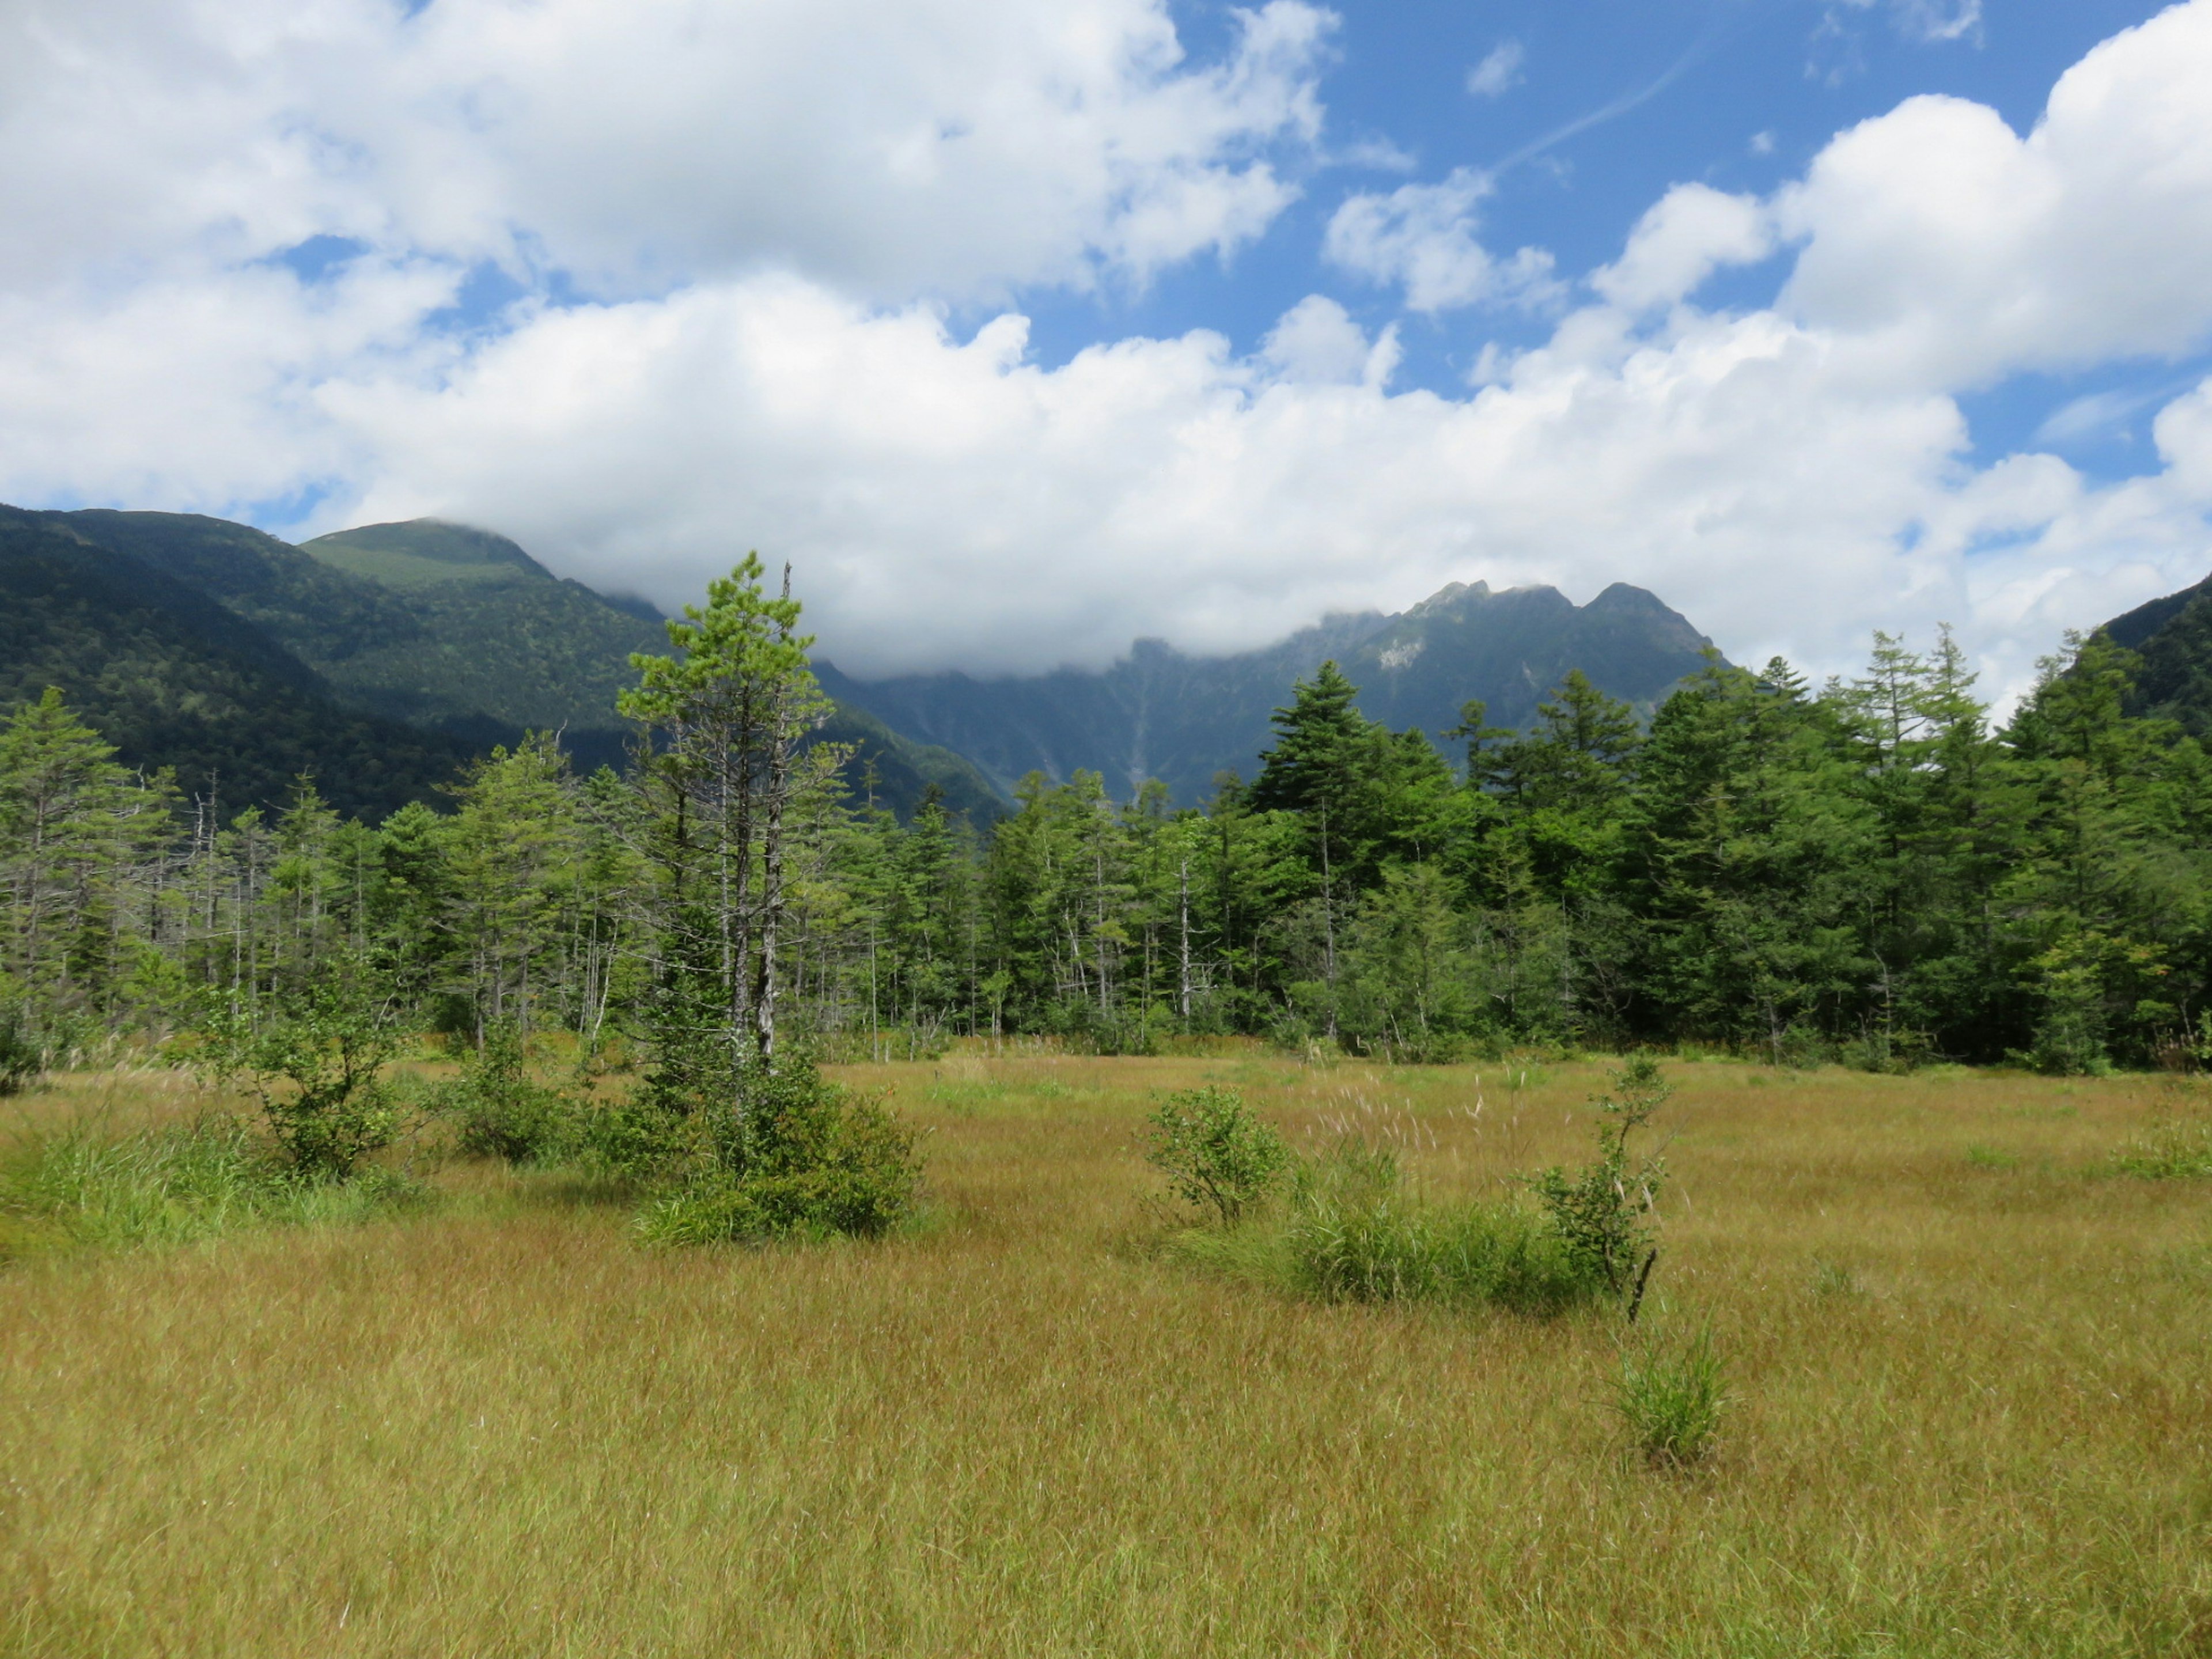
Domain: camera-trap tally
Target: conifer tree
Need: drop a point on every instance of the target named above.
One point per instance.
(725, 719)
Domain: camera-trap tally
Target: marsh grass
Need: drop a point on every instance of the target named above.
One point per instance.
(1833, 1278)
(173, 1184)
(2177, 1148)
(1350, 1230)
(1672, 1396)
(497, 1426)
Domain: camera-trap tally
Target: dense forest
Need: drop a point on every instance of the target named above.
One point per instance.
(1871, 871)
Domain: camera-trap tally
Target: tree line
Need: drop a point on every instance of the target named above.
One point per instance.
(1876, 871)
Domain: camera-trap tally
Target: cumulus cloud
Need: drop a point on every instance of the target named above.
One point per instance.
(1316, 342)
(952, 147)
(764, 355)
(948, 502)
(1425, 237)
(1691, 232)
(1953, 251)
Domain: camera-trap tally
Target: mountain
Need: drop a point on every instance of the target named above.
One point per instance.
(443, 627)
(504, 641)
(2174, 637)
(459, 632)
(498, 643)
(173, 678)
(1158, 713)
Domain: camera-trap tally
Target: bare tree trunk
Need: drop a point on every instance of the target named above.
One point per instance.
(771, 897)
(1183, 984)
(1329, 919)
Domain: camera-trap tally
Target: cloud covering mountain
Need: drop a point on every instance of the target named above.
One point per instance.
(645, 286)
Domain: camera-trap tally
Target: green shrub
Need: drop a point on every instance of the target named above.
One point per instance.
(1602, 1212)
(1673, 1399)
(636, 1141)
(500, 1112)
(807, 1159)
(316, 1063)
(1215, 1154)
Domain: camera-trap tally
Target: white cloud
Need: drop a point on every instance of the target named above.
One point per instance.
(201, 393)
(1692, 231)
(1316, 342)
(770, 364)
(1500, 71)
(1938, 20)
(1954, 253)
(952, 503)
(1927, 21)
(949, 146)
(2094, 413)
(1425, 236)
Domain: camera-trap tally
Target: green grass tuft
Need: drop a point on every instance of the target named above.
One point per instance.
(2180, 1149)
(1349, 1232)
(76, 1188)
(1673, 1399)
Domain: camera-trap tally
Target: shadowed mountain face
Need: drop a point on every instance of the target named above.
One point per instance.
(459, 632)
(172, 678)
(2173, 637)
(1159, 714)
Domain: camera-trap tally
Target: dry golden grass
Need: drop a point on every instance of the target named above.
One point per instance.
(1973, 1406)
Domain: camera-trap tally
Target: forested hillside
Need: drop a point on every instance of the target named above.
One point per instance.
(455, 631)
(173, 679)
(1160, 714)
(1870, 871)
(2174, 637)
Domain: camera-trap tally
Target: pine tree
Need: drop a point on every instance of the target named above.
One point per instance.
(726, 717)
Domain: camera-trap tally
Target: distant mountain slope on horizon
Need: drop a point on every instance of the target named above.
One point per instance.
(2174, 637)
(1158, 713)
(439, 625)
(459, 632)
(173, 678)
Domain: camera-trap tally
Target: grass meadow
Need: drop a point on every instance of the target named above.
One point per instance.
(1970, 1411)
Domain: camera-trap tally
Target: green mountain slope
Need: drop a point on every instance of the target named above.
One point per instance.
(460, 631)
(1158, 713)
(2173, 637)
(173, 678)
(503, 636)
(498, 636)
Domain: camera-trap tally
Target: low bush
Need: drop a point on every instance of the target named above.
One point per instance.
(1215, 1154)
(1672, 1400)
(316, 1063)
(1602, 1212)
(808, 1159)
(500, 1111)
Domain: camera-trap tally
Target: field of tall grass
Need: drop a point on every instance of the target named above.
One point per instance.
(1968, 1405)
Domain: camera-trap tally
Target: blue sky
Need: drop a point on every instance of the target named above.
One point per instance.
(1025, 332)
(1608, 103)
